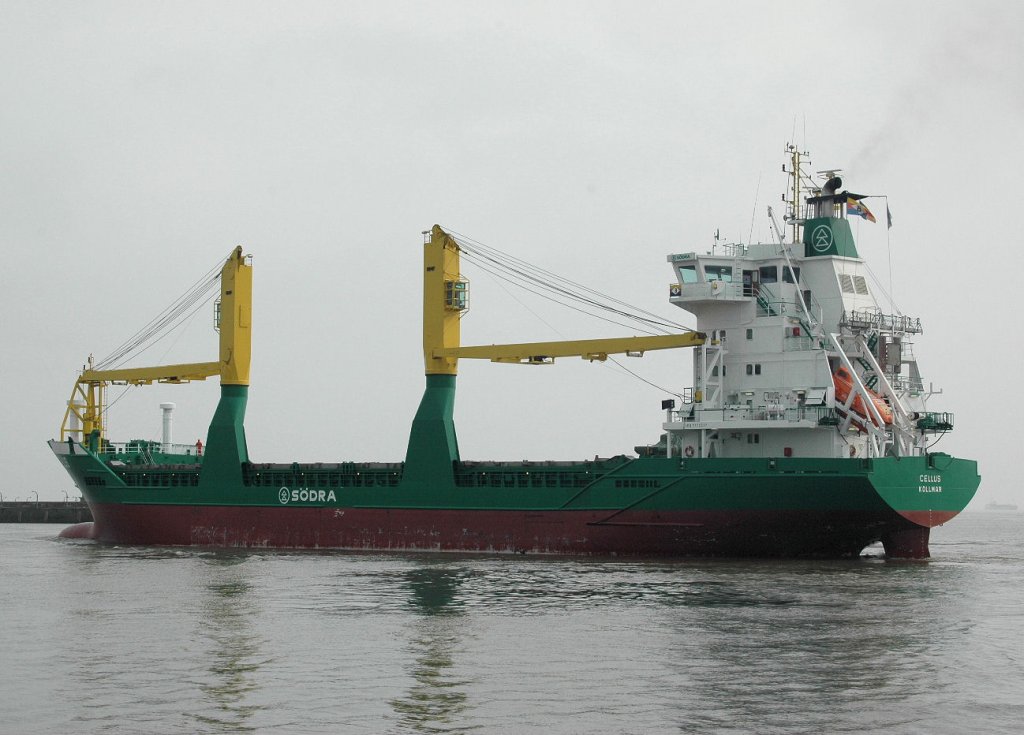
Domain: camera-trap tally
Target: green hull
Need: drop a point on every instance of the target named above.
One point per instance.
(621, 505)
(783, 507)
(612, 484)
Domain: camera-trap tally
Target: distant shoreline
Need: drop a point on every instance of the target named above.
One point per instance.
(29, 511)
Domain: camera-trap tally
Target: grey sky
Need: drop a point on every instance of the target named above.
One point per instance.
(139, 142)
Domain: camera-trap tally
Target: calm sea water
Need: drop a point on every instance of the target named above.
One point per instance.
(130, 640)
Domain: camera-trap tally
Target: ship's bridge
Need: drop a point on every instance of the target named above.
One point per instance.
(758, 274)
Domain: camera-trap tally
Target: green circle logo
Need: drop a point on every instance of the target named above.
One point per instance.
(821, 238)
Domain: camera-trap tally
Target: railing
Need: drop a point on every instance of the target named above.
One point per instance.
(866, 319)
(147, 448)
(732, 249)
(932, 421)
(767, 303)
(817, 414)
(802, 343)
(909, 385)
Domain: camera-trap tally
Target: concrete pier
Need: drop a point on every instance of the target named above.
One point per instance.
(29, 511)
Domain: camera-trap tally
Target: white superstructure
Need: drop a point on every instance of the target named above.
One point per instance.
(801, 360)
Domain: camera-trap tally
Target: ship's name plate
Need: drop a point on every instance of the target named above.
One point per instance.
(932, 485)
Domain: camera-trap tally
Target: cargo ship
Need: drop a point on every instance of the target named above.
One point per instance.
(805, 432)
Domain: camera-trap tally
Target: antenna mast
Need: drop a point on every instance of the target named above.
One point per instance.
(792, 215)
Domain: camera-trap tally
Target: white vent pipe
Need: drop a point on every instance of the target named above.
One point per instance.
(168, 409)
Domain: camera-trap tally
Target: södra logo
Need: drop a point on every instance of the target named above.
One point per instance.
(306, 495)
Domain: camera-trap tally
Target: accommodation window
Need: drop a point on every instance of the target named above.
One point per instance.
(753, 438)
(750, 334)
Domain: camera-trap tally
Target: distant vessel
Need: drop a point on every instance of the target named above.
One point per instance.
(1001, 506)
(805, 433)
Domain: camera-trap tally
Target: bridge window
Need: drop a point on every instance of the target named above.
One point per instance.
(769, 274)
(688, 273)
(718, 272)
(787, 276)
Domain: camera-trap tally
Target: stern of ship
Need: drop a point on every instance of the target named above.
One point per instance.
(927, 491)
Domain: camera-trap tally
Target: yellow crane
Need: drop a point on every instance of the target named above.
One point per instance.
(88, 397)
(433, 445)
(446, 298)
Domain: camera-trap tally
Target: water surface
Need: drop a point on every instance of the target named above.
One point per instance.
(101, 639)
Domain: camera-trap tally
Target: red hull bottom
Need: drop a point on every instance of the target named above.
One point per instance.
(704, 533)
(85, 530)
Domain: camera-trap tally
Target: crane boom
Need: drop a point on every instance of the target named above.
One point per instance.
(162, 374)
(544, 353)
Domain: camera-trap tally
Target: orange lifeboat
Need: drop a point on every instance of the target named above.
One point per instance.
(844, 385)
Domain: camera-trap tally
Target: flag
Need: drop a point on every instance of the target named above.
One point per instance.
(858, 208)
(888, 215)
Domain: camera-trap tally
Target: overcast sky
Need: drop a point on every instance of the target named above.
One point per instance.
(140, 142)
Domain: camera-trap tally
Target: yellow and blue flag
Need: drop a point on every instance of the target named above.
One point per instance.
(853, 206)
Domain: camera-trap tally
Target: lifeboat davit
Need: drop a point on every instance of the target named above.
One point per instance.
(844, 386)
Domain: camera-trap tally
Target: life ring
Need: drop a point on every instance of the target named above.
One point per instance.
(689, 450)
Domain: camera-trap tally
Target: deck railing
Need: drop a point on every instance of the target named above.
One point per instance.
(865, 319)
(147, 448)
(818, 414)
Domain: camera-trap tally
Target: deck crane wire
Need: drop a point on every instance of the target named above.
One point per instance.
(521, 273)
(550, 326)
(878, 284)
(526, 276)
(540, 274)
(180, 311)
(563, 292)
(511, 281)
